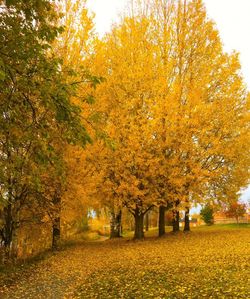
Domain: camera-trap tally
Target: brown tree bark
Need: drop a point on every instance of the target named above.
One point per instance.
(56, 233)
(176, 221)
(187, 221)
(115, 225)
(147, 221)
(56, 221)
(139, 233)
(161, 223)
(7, 231)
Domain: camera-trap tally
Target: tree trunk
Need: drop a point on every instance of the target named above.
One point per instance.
(115, 225)
(176, 221)
(56, 222)
(187, 222)
(161, 225)
(56, 233)
(147, 221)
(7, 231)
(139, 233)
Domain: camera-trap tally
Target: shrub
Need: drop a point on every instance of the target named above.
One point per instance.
(207, 214)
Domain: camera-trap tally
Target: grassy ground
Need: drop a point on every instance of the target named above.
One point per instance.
(210, 262)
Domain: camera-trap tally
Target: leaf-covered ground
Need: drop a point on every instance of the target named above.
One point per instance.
(207, 263)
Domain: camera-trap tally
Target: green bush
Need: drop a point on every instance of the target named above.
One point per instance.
(207, 214)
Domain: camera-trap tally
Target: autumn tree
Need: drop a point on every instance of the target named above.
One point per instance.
(175, 107)
(201, 115)
(74, 47)
(127, 96)
(236, 210)
(35, 108)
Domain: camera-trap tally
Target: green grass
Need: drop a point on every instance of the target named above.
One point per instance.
(224, 226)
(153, 232)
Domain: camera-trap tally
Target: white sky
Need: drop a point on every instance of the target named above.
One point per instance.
(231, 16)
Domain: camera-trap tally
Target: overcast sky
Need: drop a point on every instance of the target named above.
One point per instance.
(231, 16)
